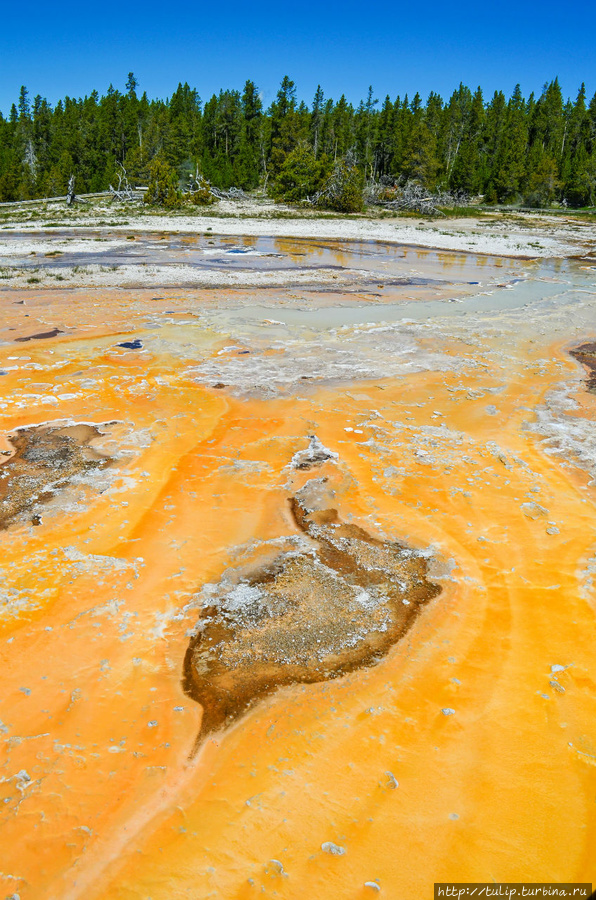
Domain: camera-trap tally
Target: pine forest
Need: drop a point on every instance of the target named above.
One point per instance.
(533, 151)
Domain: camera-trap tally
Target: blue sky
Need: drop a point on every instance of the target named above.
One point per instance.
(71, 48)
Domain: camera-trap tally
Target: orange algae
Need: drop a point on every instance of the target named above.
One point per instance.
(101, 800)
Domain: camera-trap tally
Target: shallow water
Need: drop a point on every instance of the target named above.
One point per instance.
(378, 270)
(215, 251)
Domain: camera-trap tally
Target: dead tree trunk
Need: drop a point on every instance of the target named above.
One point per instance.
(124, 191)
(70, 195)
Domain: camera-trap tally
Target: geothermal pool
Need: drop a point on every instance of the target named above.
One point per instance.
(297, 572)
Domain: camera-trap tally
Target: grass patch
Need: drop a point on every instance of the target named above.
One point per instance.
(463, 212)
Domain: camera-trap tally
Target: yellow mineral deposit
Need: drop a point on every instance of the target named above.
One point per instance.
(297, 587)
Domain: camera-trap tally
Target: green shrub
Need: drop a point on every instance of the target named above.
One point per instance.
(300, 175)
(344, 190)
(199, 193)
(163, 189)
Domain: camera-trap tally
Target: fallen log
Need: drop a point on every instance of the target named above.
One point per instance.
(124, 192)
(413, 197)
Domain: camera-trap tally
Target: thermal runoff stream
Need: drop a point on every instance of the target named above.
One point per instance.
(297, 571)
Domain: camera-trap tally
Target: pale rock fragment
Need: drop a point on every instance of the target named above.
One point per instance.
(315, 454)
(393, 783)
(278, 867)
(333, 849)
(533, 510)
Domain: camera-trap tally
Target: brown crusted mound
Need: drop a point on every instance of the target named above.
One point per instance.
(45, 460)
(310, 615)
(586, 355)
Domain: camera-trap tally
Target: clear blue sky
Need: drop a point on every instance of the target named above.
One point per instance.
(70, 48)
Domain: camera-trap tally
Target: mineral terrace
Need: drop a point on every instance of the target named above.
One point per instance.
(297, 559)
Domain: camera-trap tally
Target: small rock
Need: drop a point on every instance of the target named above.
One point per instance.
(372, 884)
(447, 711)
(333, 849)
(278, 866)
(533, 510)
(393, 782)
(314, 455)
(23, 780)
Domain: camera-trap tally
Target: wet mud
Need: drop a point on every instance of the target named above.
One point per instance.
(45, 461)
(586, 355)
(41, 336)
(336, 601)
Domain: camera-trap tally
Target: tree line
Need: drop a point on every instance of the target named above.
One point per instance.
(534, 151)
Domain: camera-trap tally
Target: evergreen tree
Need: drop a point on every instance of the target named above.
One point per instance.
(366, 133)
(301, 174)
(495, 134)
(285, 125)
(163, 189)
(509, 166)
(341, 129)
(250, 161)
(468, 173)
(317, 117)
(382, 146)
